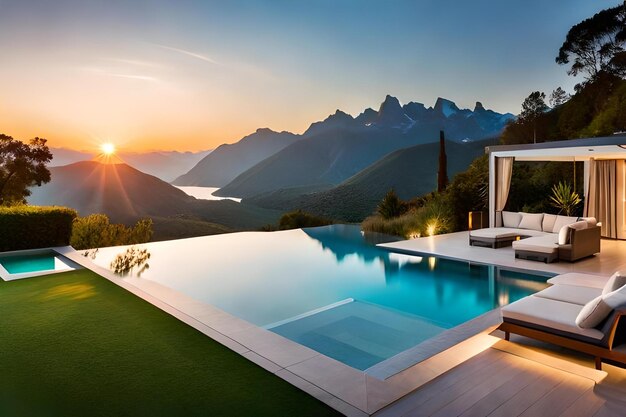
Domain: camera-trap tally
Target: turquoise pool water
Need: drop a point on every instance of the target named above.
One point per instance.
(331, 289)
(28, 263)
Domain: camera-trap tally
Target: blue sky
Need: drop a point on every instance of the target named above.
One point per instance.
(141, 73)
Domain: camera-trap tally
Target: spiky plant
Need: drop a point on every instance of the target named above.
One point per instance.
(564, 198)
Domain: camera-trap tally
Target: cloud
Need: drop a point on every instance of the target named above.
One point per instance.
(109, 73)
(189, 53)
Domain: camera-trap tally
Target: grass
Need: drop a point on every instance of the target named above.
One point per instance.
(75, 344)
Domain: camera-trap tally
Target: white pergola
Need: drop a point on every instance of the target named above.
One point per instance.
(576, 150)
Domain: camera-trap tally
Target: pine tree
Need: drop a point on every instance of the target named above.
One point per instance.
(442, 175)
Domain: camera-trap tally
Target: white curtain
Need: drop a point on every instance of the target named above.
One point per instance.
(601, 201)
(504, 170)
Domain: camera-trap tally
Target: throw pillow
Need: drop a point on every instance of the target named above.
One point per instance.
(548, 222)
(593, 313)
(562, 221)
(617, 281)
(564, 235)
(511, 219)
(531, 221)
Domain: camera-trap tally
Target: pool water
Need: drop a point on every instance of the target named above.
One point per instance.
(332, 290)
(20, 264)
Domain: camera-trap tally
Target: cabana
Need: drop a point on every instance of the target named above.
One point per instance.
(604, 188)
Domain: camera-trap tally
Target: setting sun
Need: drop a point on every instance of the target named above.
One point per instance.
(107, 148)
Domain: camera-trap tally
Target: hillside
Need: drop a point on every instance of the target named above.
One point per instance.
(411, 172)
(165, 165)
(227, 161)
(126, 194)
(341, 146)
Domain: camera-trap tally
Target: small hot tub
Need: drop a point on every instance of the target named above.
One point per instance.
(26, 264)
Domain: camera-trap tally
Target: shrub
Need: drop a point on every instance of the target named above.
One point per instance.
(391, 206)
(30, 227)
(298, 219)
(564, 198)
(133, 258)
(95, 231)
(404, 225)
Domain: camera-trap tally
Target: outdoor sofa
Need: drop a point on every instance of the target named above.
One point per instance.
(540, 236)
(583, 312)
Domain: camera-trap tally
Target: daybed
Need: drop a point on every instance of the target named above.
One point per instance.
(579, 311)
(541, 237)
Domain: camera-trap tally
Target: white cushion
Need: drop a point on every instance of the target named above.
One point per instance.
(562, 221)
(549, 313)
(580, 280)
(593, 313)
(511, 219)
(495, 232)
(591, 221)
(547, 223)
(564, 235)
(570, 294)
(579, 225)
(617, 281)
(542, 244)
(531, 221)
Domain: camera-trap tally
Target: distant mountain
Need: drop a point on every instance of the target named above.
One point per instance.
(407, 170)
(229, 160)
(339, 147)
(126, 194)
(166, 165)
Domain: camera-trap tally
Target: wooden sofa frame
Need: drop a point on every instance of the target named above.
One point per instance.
(600, 353)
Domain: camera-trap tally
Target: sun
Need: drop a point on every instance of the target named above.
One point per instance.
(107, 149)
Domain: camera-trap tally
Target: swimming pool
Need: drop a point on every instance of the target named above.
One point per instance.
(33, 263)
(328, 288)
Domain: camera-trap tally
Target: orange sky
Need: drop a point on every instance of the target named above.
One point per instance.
(161, 75)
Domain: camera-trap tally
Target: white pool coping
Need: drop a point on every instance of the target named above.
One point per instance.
(61, 264)
(347, 390)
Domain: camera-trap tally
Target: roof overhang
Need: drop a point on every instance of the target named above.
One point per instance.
(609, 147)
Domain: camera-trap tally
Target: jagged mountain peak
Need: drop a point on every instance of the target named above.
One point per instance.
(479, 107)
(446, 107)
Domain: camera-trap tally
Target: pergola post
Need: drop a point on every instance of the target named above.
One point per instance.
(492, 190)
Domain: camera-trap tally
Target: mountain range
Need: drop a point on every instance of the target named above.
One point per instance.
(406, 170)
(166, 165)
(333, 150)
(126, 194)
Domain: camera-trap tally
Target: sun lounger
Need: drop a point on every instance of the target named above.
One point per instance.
(557, 315)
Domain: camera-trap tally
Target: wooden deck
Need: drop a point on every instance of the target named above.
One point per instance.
(502, 383)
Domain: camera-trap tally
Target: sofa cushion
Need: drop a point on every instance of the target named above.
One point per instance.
(542, 244)
(495, 232)
(580, 280)
(579, 225)
(617, 281)
(593, 313)
(591, 221)
(570, 294)
(549, 313)
(531, 221)
(564, 234)
(511, 219)
(548, 222)
(562, 221)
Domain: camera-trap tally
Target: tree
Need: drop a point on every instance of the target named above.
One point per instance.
(391, 206)
(532, 108)
(593, 43)
(96, 231)
(442, 175)
(22, 165)
(558, 97)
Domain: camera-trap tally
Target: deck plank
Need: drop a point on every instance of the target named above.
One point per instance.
(586, 405)
(560, 398)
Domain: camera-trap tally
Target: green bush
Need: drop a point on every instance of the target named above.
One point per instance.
(391, 206)
(298, 219)
(30, 227)
(96, 231)
(405, 225)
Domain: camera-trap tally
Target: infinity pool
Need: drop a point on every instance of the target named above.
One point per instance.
(330, 289)
(18, 265)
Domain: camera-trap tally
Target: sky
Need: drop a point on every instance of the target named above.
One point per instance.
(190, 75)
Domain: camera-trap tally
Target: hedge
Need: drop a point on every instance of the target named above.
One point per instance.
(30, 227)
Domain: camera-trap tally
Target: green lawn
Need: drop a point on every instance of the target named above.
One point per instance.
(74, 344)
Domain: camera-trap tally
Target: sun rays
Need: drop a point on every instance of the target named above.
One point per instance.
(108, 154)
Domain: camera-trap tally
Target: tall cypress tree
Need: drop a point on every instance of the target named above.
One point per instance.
(442, 175)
